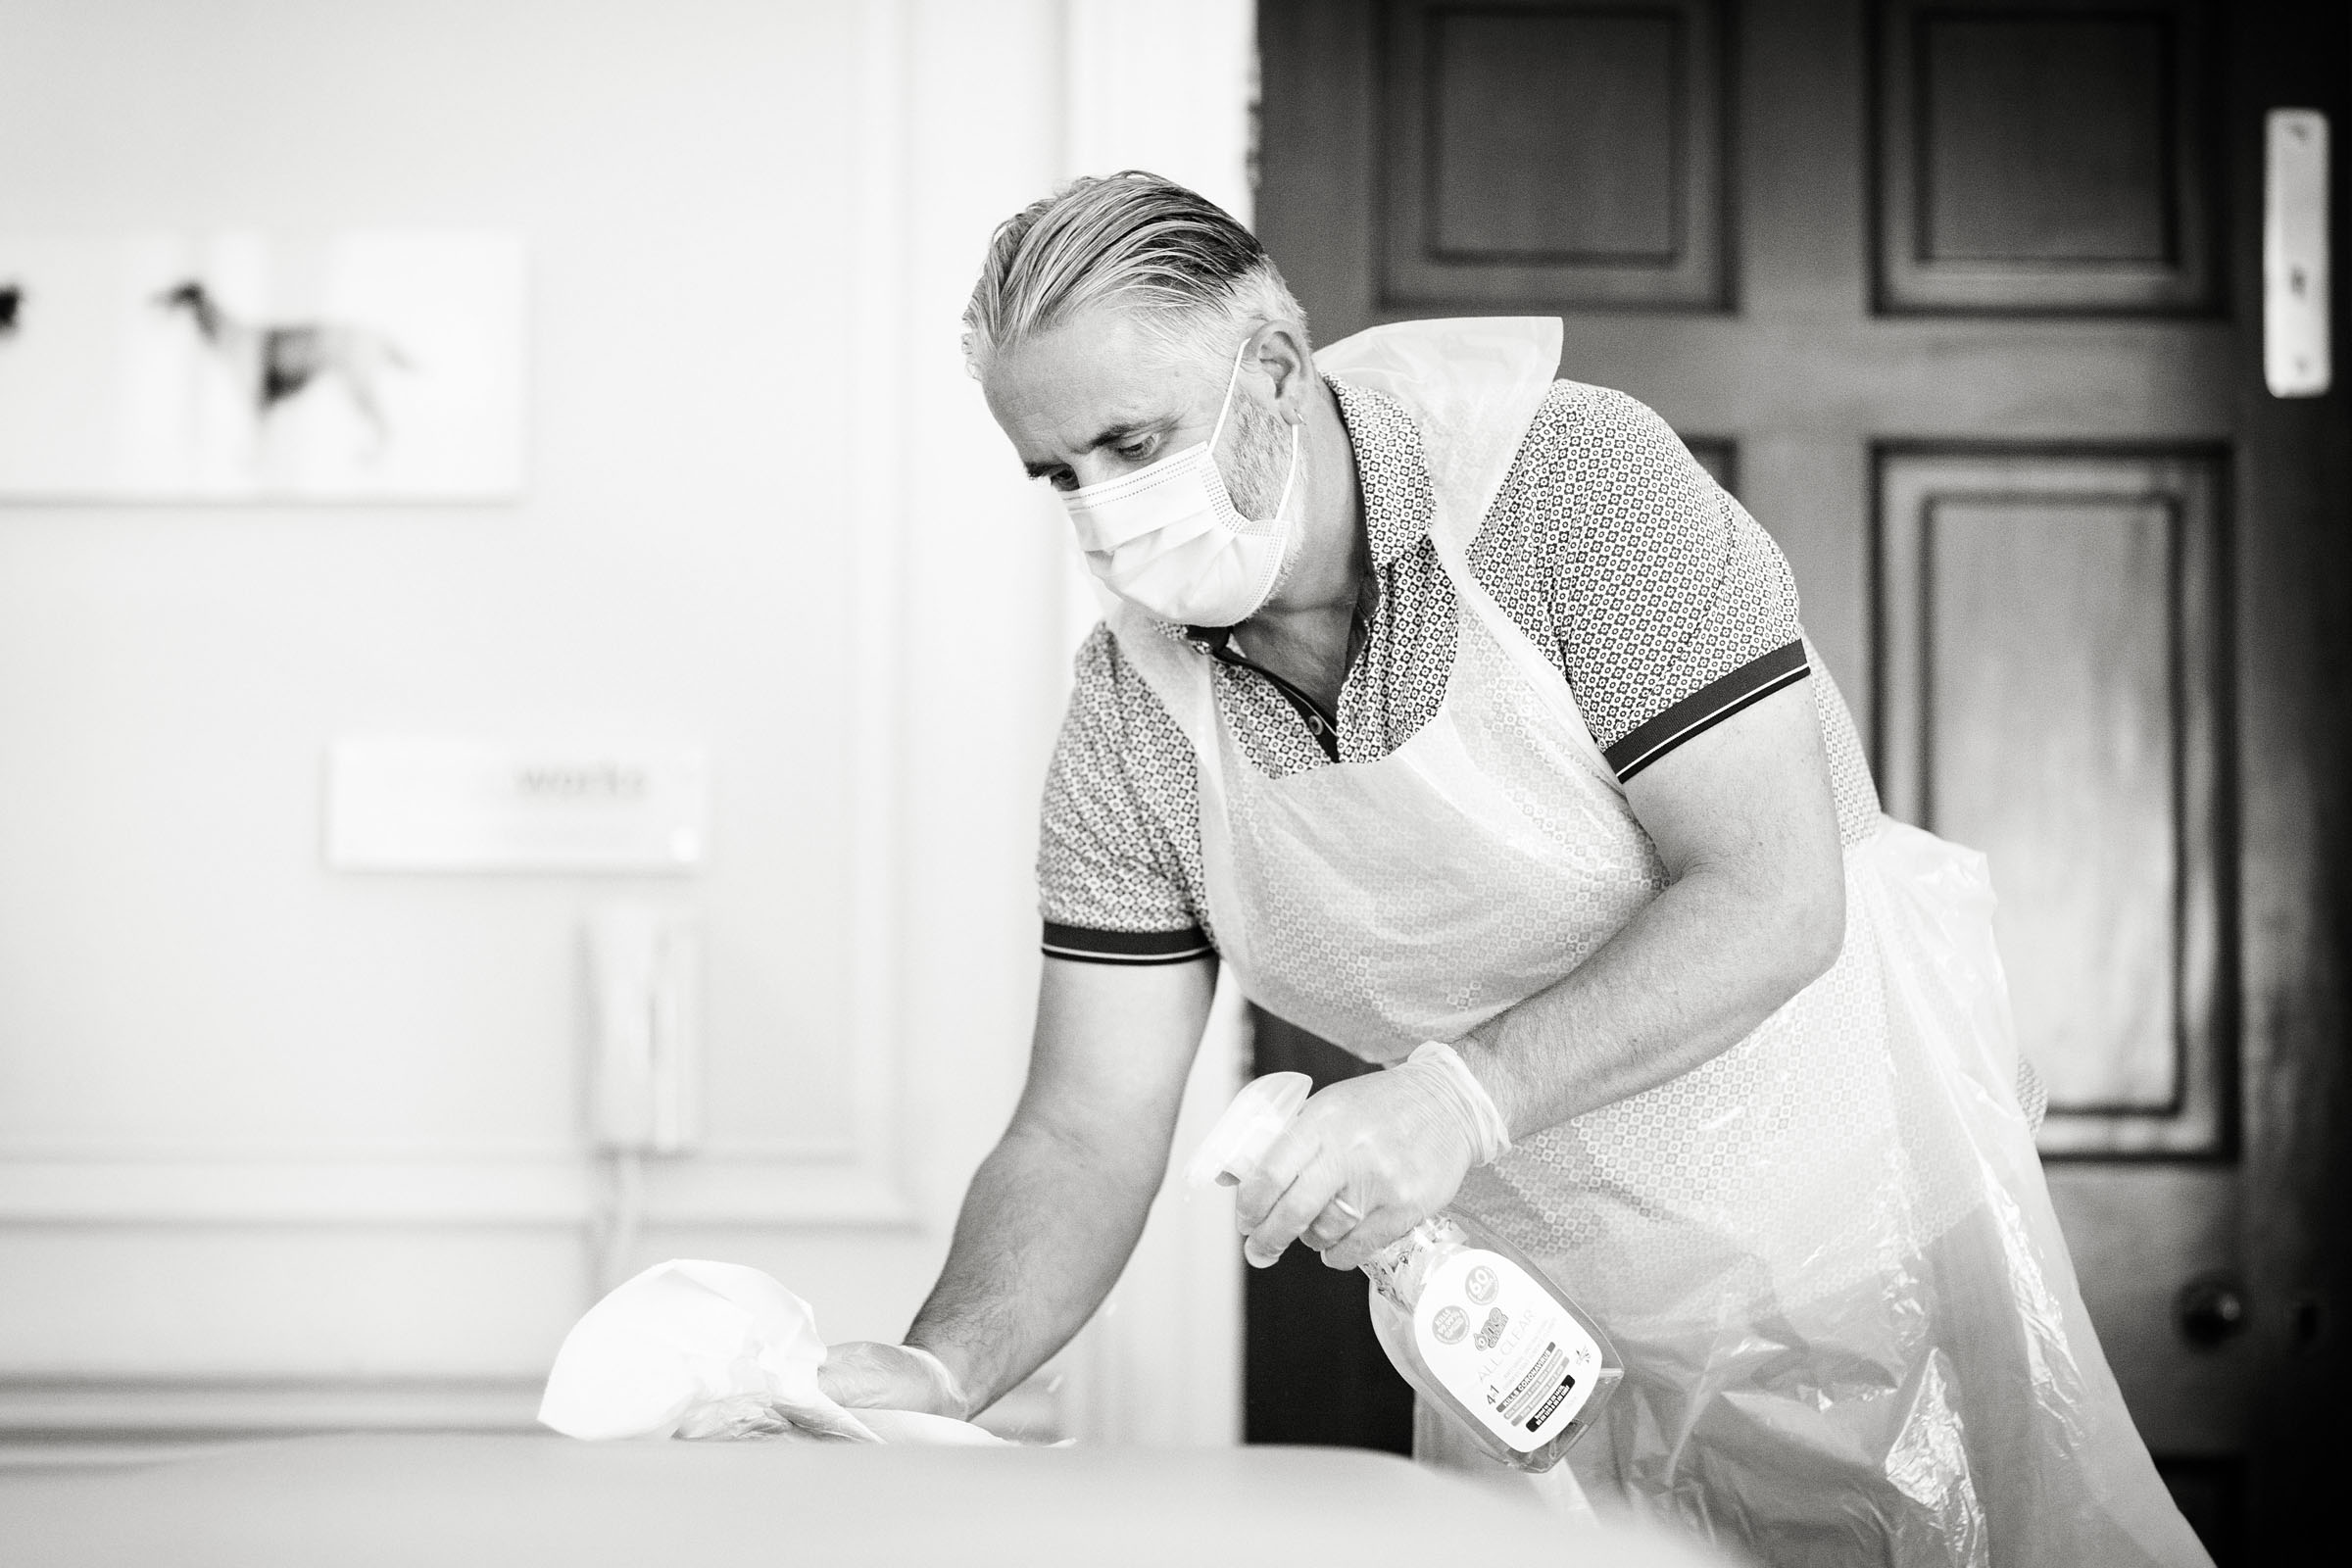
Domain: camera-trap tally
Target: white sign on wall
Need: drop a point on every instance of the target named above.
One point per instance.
(228, 366)
(432, 803)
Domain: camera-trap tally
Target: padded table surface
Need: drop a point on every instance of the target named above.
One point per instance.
(520, 1500)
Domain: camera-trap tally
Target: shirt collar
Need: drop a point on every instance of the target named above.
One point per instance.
(1391, 468)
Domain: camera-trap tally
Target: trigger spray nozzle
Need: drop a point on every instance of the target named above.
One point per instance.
(1258, 1115)
(1480, 1277)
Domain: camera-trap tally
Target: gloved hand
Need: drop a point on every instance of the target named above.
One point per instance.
(1368, 1159)
(865, 1375)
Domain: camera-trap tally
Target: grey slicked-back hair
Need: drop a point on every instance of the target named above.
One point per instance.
(1191, 278)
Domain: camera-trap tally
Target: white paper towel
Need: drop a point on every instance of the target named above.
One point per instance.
(697, 1349)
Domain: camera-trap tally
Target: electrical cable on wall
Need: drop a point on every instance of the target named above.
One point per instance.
(643, 1064)
(614, 1226)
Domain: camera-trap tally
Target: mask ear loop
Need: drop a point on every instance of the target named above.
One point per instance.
(1291, 478)
(1232, 381)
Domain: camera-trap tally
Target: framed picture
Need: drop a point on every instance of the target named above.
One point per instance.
(242, 367)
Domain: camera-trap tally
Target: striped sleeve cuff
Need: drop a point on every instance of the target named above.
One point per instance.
(1708, 706)
(1133, 948)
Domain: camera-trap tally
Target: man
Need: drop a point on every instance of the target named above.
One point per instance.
(1463, 714)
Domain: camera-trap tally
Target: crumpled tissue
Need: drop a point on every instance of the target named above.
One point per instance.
(697, 1350)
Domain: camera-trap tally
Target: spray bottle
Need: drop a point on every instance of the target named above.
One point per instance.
(1470, 1321)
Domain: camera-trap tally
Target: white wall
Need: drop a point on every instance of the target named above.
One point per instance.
(278, 1144)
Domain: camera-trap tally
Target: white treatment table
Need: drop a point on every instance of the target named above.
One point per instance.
(521, 1501)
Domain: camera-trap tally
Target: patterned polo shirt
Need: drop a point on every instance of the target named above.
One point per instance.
(1660, 601)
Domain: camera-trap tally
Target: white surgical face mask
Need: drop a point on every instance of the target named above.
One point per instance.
(1169, 538)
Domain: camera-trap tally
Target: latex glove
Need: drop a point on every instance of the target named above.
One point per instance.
(1368, 1159)
(865, 1375)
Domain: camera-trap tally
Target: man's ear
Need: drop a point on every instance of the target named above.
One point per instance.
(1283, 355)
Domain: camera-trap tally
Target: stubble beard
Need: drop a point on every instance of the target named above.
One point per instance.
(1261, 460)
(1256, 473)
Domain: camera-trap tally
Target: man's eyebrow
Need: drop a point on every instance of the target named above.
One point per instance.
(1126, 429)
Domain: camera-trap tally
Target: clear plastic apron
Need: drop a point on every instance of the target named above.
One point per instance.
(1850, 1326)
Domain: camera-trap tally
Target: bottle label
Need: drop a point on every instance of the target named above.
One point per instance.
(1505, 1346)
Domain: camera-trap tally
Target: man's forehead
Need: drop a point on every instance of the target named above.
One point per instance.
(1095, 377)
(1102, 352)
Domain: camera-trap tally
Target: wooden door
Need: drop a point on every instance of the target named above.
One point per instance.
(1963, 299)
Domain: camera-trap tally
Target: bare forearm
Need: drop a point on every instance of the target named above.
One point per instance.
(1686, 979)
(1045, 1231)
(1055, 1208)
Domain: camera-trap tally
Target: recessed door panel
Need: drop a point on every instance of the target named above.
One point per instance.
(1555, 148)
(2043, 158)
(2050, 691)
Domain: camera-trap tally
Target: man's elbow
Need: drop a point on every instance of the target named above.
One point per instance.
(1810, 931)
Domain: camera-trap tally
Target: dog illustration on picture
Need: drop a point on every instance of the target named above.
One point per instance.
(278, 363)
